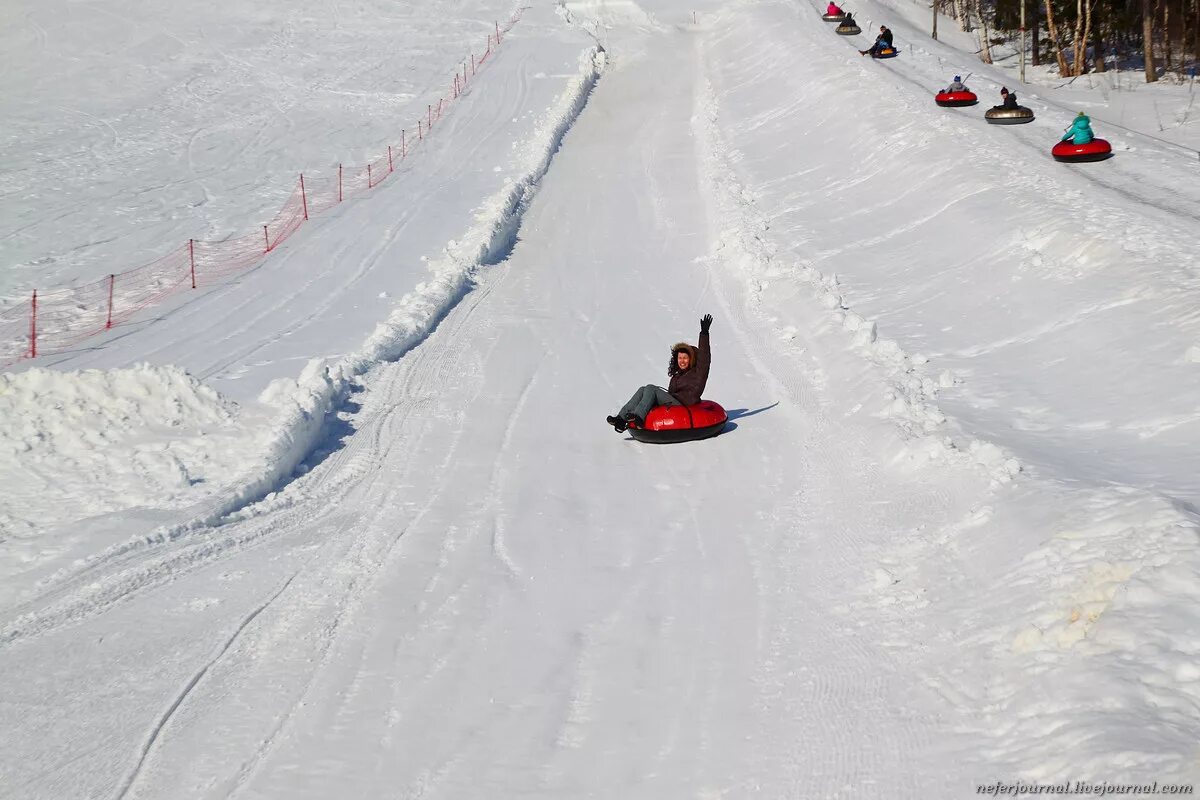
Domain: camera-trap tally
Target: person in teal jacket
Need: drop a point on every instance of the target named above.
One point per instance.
(1080, 130)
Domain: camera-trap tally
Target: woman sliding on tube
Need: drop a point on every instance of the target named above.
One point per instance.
(688, 370)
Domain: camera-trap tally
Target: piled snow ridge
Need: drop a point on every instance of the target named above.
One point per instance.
(309, 403)
(81, 444)
(139, 433)
(596, 17)
(320, 390)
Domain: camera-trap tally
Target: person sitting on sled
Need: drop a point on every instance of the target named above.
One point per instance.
(1080, 131)
(882, 41)
(832, 9)
(848, 21)
(957, 85)
(1008, 99)
(688, 370)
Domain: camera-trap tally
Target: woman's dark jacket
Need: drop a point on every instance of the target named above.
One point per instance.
(688, 385)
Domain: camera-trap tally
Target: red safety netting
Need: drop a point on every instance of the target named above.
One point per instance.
(59, 319)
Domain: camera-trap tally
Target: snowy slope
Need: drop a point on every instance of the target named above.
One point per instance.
(343, 281)
(949, 537)
(1058, 331)
(578, 594)
(359, 284)
(134, 126)
(1065, 308)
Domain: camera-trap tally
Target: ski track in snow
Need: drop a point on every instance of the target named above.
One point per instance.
(158, 729)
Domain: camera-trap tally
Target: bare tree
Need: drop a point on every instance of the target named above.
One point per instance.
(1022, 41)
(1056, 42)
(1195, 34)
(1148, 40)
(1083, 32)
(963, 14)
(1183, 34)
(1037, 37)
(985, 44)
(1166, 37)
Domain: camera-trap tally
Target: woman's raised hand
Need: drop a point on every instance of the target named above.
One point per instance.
(705, 323)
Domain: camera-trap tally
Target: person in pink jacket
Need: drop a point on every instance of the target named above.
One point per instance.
(832, 9)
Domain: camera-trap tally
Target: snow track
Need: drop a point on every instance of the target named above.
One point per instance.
(157, 731)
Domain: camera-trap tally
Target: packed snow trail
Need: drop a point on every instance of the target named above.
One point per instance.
(485, 592)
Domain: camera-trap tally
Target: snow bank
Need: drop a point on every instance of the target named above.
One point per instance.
(99, 441)
(310, 402)
(598, 17)
(488, 241)
(80, 444)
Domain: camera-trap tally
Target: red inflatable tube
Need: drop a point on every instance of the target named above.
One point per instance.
(955, 99)
(669, 424)
(1095, 150)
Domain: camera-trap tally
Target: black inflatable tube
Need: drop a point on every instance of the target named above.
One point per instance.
(1083, 159)
(675, 436)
